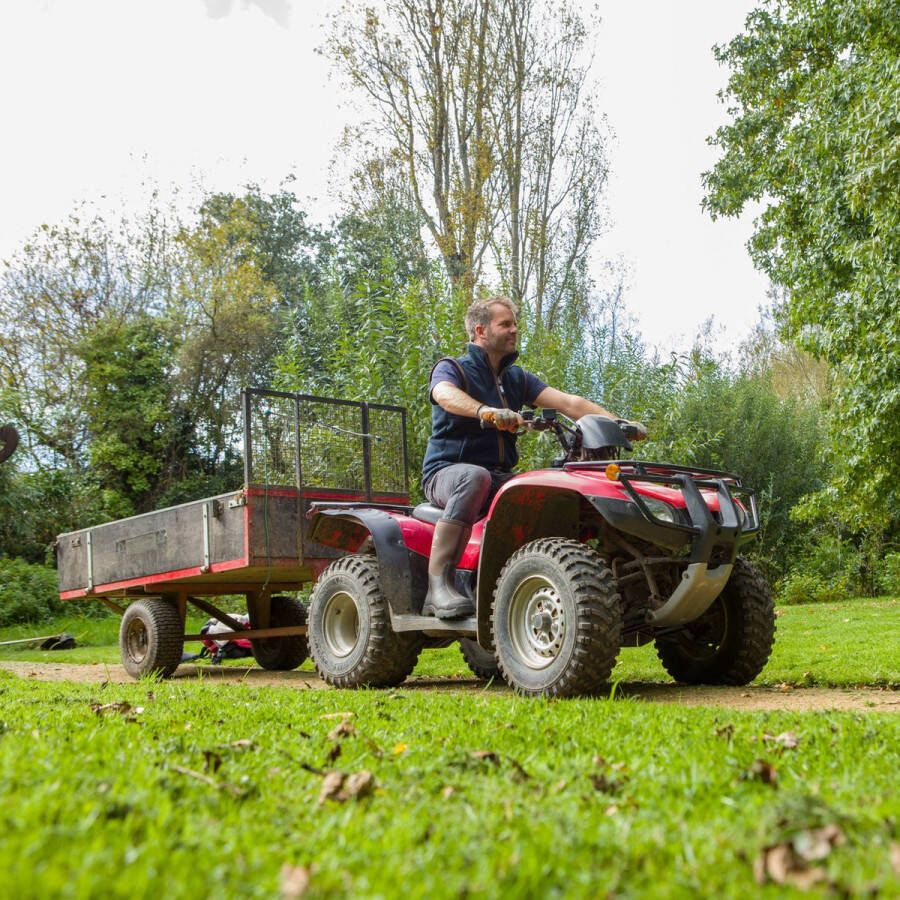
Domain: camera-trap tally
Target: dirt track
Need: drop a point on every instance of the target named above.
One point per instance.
(744, 698)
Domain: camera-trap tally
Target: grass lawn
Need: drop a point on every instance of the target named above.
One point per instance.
(176, 789)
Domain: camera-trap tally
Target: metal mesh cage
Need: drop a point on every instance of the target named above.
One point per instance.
(387, 426)
(331, 445)
(272, 438)
(316, 442)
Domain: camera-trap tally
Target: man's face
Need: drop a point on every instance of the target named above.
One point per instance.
(501, 333)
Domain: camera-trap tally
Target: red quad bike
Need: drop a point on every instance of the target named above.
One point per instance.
(570, 564)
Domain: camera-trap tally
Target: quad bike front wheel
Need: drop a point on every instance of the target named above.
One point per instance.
(151, 638)
(283, 653)
(350, 636)
(557, 619)
(731, 642)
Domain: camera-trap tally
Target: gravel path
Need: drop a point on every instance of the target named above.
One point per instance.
(790, 699)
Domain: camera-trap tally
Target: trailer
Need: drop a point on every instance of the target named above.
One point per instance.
(298, 450)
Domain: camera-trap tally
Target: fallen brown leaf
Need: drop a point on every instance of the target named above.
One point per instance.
(816, 843)
(787, 862)
(344, 729)
(331, 786)
(333, 753)
(211, 761)
(787, 739)
(121, 706)
(726, 732)
(763, 771)
(360, 784)
(486, 756)
(604, 784)
(340, 787)
(293, 880)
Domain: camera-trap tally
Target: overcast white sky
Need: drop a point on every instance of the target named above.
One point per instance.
(98, 96)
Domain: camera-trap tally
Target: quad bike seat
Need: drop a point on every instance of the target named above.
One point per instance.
(428, 512)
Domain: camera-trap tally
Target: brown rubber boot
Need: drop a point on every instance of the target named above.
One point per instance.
(447, 545)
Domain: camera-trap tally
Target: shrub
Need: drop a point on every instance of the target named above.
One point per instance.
(888, 576)
(803, 587)
(29, 593)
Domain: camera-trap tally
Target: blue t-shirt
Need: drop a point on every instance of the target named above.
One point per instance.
(446, 371)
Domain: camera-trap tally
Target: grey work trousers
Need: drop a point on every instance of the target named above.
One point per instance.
(464, 491)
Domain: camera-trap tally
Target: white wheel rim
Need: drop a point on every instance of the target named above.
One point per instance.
(537, 622)
(137, 640)
(340, 624)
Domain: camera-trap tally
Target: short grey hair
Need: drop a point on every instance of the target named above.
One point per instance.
(479, 313)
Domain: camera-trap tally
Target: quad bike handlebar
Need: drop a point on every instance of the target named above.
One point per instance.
(592, 437)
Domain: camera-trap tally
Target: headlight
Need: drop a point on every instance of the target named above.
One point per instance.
(660, 509)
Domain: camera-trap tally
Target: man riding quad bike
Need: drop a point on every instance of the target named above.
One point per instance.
(557, 568)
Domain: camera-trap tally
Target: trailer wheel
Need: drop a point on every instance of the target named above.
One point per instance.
(482, 663)
(557, 619)
(284, 653)
(350, 636)
(731, 642)
(151, 638)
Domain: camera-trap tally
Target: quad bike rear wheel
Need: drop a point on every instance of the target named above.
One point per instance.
(284, 653)
(482, 663)
(556, 619)
(151, 638)
(731, 642)
(350, 636)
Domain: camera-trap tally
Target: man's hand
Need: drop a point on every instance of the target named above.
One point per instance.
(637, 431)
(501, 418)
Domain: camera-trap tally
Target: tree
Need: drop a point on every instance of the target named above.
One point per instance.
(485, 103)
(813, 96)
(64, 280)
(551, 156)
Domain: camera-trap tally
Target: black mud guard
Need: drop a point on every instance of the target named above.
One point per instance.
(522, 514)
(403, 572)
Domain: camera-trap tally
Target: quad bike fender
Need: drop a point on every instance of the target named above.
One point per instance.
(520, 513)
(403, 572)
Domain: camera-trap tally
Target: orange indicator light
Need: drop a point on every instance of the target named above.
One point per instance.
(612, 472)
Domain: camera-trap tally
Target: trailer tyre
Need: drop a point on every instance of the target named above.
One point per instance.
(350, 637)
(285, 653)
(151, 638)
(731, 642)
(482, 663)
(556, 619)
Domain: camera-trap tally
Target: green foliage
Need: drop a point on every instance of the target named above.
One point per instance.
(28, 593)
(813, 96)
(127, 403)
(803, 587)
(889, 577)
(712, 417)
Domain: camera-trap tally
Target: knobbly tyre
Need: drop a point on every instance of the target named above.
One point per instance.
(570, 563)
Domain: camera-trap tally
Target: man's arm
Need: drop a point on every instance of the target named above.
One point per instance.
(575, 407)
(570, 405)
(456, 401)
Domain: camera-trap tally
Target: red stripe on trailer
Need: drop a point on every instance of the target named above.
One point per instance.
(192, 572)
